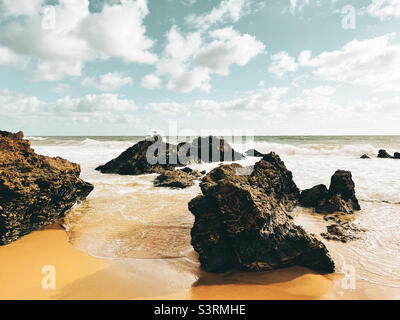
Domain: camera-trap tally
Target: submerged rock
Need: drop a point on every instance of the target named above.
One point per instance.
(241, 220)
(155, 156)
(177, 178)
(383, 154)
(364, 156)
(341, 196)
(254, 153)
(311, 197)
(343, 231)
(35, 191)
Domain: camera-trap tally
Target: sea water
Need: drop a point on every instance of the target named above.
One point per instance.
(125, 217)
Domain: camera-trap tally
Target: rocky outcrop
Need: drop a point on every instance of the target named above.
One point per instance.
(35, 191)
(178, 179)
(213, 149)
(341, 196)
(383, 154)
(254, 153)
(365, 156)
(311, 197)
(242, 220)
(148, 156)
(155, 156)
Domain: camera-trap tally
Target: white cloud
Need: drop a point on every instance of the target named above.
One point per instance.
(119, 31)
(8, 57)
(169, 108)
(282, 63)
(151, 81)
(228, 48)
(108, 82)
(80, 36)
(384, 8)
(182, 48)
(188, 62)
(374, 62)
(91, 103)
(226, 11)
(56, 70)
(20, 7)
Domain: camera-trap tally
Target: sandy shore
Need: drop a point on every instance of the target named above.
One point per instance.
(81, 276)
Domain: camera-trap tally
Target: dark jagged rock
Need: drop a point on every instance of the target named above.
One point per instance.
(341, 195)
(178, 178)
(35, 191)
(396, 155)
(311, 197)
(383, 154)
(343, 231)
(213, 149)
(155, 156)
(254, 153)
(148, 156)
(364, 156)
(241, 220)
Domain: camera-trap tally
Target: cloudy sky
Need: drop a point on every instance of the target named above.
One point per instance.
(278, 67)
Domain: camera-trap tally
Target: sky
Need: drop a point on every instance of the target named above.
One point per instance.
(269, 67)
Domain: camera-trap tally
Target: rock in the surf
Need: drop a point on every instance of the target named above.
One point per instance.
(341, 195)
(155, 156)
(365, 156)
(343, 231)
(179, 179)
(397, 155)
(254, 153)
(242, 220)
(214, 149)
(311, 197)
(383, 154)
(148, 156)
(35, 191)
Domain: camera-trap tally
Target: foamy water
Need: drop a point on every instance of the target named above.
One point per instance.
(127, 218)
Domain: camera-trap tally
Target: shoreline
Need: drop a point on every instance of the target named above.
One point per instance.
(81, 276)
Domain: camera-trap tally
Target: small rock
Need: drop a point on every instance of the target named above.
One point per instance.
(383, 154)
(397, 155)
(364, 156)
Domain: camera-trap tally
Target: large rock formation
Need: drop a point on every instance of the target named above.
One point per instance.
(148, 156)
(155, 156)
(213, 149)
(242, 220)
(35, 191)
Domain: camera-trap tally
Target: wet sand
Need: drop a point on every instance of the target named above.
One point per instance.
(81, 276)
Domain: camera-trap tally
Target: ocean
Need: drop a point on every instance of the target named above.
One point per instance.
(126, 218)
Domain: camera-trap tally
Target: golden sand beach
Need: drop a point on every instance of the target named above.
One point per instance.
(83, 277)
